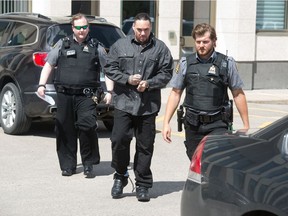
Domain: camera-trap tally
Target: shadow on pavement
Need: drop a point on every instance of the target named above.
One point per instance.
(102, 169)
(162, 188)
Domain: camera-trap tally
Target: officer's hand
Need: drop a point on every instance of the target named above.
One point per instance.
(166, 133)
(142, 86)
(41, 91)
(108, 98)
(134, 79)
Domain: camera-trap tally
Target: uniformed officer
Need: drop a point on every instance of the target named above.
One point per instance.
(206, 75)
(78, 58)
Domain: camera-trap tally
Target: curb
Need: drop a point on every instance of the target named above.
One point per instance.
(280, 102)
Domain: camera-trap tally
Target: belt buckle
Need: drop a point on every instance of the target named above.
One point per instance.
(205, 118)
(87, 91)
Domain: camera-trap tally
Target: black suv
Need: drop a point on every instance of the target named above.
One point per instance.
(25, 40)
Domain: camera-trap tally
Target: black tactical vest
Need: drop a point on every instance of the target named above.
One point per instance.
(206, 83)
(78, 65)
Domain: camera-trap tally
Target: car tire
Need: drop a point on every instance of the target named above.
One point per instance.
(108, 124)
(12, 116)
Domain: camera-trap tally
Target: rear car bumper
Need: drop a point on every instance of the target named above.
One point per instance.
(206, 199)
(192, 202)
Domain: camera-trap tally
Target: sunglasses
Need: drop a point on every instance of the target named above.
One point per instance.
(81, 27)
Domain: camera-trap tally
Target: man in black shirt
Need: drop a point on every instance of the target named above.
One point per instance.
(140, 65)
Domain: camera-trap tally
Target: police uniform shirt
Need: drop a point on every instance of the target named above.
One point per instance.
(234, 80)
(53, 55)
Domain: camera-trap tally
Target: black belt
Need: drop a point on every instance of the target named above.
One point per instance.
(77, 91)
(210, 118)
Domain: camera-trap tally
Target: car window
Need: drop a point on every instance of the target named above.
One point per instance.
(127, 26)
(56, 32)
(3, 27)
(106, 34)
(22, 34)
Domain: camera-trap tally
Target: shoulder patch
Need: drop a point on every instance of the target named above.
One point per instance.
(177, 68)
(54, 45)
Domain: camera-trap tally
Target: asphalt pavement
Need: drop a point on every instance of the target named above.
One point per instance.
(31, 183)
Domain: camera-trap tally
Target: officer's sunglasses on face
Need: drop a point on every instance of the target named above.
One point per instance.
(81, 27)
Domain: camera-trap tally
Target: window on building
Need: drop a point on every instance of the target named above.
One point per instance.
(7, 6)
(132, 8)
(271, 15)
(193, 13)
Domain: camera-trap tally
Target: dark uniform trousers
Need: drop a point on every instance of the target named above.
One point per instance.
(76, 118)
(143, 127)
(194, 134)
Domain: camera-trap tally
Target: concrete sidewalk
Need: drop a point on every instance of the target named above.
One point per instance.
(269, 96)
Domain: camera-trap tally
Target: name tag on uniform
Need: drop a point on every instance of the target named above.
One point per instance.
(71, 52)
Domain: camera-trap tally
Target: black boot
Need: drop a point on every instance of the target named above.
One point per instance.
(120, 181)
(142, 194)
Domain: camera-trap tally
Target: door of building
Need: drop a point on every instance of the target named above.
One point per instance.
(132, 8)
(193, 13)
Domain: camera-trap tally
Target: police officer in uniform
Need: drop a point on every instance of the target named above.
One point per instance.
(206, 75)
(78, 58)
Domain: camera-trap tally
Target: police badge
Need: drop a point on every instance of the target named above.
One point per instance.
(212, 70)
(85, 49)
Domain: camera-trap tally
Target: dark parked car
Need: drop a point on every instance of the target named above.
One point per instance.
(239, 174)
(25, 40)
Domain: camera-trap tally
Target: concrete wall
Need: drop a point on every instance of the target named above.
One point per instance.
(272, 46)
(235, 27)
(111, 10)
(169, 25)
(52, 7)
(262, 58)
(264, 75)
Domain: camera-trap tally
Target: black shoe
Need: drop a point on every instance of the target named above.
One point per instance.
(68, 172)
(88, 170)
(142, 194)
(120, 181)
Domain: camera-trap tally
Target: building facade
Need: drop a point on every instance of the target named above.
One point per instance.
(254, 32)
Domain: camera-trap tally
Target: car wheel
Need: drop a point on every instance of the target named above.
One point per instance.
(108, 124)
(12, 116)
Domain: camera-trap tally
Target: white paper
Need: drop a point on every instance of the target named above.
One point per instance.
(46, 98)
